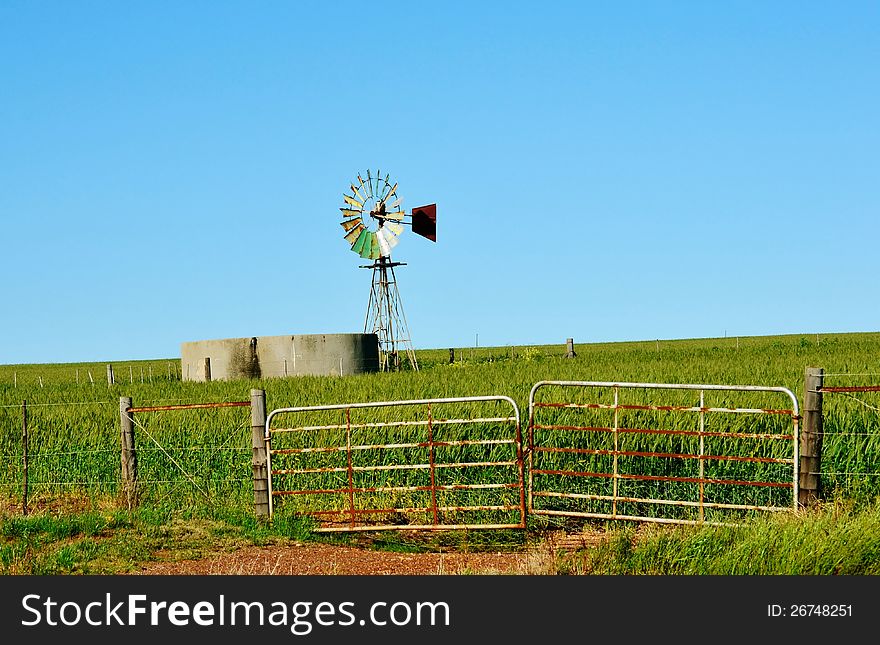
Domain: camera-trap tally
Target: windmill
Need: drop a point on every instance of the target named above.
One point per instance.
(374, 218)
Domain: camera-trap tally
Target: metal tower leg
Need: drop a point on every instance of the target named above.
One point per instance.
(386, 319)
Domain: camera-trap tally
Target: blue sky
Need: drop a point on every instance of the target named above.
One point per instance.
(173, 171)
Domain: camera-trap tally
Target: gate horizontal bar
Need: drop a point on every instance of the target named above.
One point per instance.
(417, 509)
(661, 408)
(395, 489)
(673, 386)
(392, 424)
(611, 498)
(854, 388)
(421, 444)
(418, 527)
(663, 478)
(683, 433)
(637, 518)
(383, 404)
(345, 469)
(665, 455)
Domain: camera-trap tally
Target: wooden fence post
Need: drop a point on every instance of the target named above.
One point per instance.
(110, 379)
(129, 456)
(207, 368)
(810, 444)
(451, 355)
(569, 348)
(258, 461)
(24, 455)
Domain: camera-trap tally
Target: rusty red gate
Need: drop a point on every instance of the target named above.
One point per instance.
(611, 450)
(453, 463)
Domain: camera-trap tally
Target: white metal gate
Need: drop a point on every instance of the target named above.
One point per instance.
(612, 450)
(454, 463)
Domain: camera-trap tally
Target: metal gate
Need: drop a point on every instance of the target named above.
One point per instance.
(401, 465)
(612, 450)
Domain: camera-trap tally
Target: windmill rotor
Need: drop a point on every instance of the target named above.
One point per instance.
(372, 206)
(373, 220)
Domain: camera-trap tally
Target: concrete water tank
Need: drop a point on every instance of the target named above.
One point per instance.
(279, 356)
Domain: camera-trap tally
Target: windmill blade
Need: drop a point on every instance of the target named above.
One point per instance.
(390, 192)
(397, 217)
(352, 236)
(349, 224)
(369, 183)
(374, 250)
(389, 237)
(352, 201)
(367, 248)
(397, 202)
(358, 246)
(394, 227)
(354, 189)
(350, 212)
(384, 247)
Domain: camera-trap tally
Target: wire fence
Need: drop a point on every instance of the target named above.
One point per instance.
(851, 434)
(72, 450)
(89, 376)
(50, 449)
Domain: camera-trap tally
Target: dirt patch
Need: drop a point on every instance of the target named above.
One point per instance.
(328, 559)
(331, 559)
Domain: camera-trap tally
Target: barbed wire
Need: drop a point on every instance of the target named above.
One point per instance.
(37, 454)
(212, 449)
(42, 405)
(829, 474)
(66, 403)
(35, 484)
(177, 481)
(855, 398)
(851, 374)
(851, 434)
(42, 454)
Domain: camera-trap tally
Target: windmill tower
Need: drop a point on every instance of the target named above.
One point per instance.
(374, 219)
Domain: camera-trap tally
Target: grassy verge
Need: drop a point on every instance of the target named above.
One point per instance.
(103, 540)
(835, 539)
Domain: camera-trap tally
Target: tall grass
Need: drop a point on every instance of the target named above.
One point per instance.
(838, 539)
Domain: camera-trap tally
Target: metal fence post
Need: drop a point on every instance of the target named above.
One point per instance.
(129, 456)
(810, 444)
(24, 453)
(258, 462)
